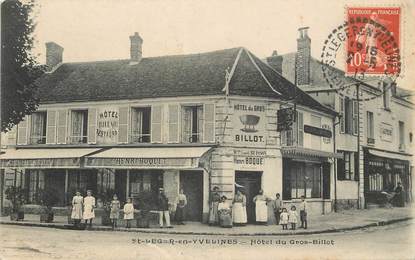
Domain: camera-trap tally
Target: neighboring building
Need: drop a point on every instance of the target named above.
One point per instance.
(193, 121)
(374, 134)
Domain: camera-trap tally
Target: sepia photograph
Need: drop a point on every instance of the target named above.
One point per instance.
(201, 129)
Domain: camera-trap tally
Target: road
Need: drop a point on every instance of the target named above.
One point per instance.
(388, 242)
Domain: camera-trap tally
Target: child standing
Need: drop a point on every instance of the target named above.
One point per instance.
(292, 217)
(115, 211)
(303, 213)
(128, 212)
(284, 219)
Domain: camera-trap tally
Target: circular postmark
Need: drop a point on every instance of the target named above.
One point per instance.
(371, 53)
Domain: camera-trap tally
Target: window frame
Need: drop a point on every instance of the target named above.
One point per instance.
(84, 128)
(370, 128)
(193, 137)
(42, 138)
(141, 135)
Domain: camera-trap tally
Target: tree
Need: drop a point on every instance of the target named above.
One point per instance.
(19, 68)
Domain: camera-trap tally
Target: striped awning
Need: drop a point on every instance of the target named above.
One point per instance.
(308, 154)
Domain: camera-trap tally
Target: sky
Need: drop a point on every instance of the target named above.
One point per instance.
(91, 30)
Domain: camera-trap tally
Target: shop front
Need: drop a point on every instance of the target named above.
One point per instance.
(382, 172)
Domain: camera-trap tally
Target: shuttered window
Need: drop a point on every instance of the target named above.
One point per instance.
(22, 131)
(51, 127)
(79, 126)
(355, 116)
(123, 119)
(92, 125)
(209, 123)
(342, 115)
(173, 123)
(192, 124)
(62, 127)
(38, 128)
(156, 121)
(300, 125)
(140, 124)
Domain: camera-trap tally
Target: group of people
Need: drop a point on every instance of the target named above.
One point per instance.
(228, 214)
(84, 209)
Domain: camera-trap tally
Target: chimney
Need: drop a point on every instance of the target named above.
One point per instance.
(275, 61)
(302, 59)
(53, 55)
(136, 48)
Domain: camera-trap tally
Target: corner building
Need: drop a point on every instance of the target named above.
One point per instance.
(193, 121)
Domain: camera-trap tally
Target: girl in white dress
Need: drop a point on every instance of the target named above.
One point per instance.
(284, 219)
(77, 203)
(128, 213)
(292, 217)
(89, 208)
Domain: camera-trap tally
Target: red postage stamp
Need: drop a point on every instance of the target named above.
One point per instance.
(373, 40)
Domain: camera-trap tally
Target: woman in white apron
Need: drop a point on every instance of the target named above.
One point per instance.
(239, 209)
(261, 208)
(89, 206)
(77, 203)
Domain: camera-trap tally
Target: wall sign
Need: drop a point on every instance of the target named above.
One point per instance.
(161, 163)
(386, 131)
(249, 122)
(249, 158)
(326, 140)
(107, 125)
(317, 131)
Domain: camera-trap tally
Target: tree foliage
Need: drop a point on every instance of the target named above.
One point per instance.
(19, 68)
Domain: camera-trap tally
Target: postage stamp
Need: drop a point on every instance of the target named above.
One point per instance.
(373, 42)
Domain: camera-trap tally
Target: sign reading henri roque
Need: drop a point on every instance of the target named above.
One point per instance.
(141, 162)
(107, 125)
(249, 124)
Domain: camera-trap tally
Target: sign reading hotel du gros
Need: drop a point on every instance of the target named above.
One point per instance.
(107, 125)
(249, 122)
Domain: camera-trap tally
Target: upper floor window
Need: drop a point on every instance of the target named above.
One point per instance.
(386, 96)
(192, 124)
(348, 111)
(370, 128)
(295, 136)
(79, 126)
(140, 124)
(401, 135)
(38, 128)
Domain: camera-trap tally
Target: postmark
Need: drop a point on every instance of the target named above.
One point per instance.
(367, 45)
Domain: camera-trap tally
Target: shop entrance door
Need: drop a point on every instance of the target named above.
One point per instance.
(251, 182)
(192, 184)
(55, 179)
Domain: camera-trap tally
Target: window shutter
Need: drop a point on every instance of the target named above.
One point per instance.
(173, 123)
(51, 127)
(356, 166)
(300, 129)
(326, 180)
(343, 116)
(340, 170)
(22, 130)
(209, 123)
(92, 125)
(283, 137)
(61, 127)
(354, 112)
(123, 118)
(156, 120)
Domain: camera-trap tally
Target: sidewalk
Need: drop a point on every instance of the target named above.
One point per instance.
(333, 222)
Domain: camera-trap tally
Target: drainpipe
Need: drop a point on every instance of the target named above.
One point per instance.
(335, 161)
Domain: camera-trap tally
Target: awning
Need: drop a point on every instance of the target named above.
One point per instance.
(307, 154)
(398, 156)
(45, 158)
(148, 157)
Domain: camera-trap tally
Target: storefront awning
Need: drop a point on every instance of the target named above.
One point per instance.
(45, 158)
(397, 156)
(148, 157)
(307, 154)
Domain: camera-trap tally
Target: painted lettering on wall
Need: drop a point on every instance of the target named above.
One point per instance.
(249, 122)
(247, 158)
(107, 125)
(386, 132)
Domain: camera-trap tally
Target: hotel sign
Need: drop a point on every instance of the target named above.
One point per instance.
(107, 125)
(386, 131)
(158, 163)
(249, 123)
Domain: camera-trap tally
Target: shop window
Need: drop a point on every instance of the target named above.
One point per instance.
(79, 126)
(38, 128)
(141, 181)
(401, 136)
(375, 182)
(82, 180)
(192, 124)
(347, 166)
(305, 180)
(105, 180)
(370, 128)
(140, 124)
(36, 182)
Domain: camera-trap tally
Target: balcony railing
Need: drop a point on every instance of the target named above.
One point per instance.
(38, 139)
(140, 138)
(78, 139)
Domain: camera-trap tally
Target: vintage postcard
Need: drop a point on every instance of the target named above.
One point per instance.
(203, 129)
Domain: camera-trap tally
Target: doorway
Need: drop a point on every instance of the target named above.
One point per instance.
(192, 184)
(251, 182)
(55, 179)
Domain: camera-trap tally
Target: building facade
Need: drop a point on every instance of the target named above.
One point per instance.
(190, 121)
(373, 133)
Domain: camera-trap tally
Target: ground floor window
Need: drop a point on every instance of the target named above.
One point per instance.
(375, 182)
(302, 179)
(145, 180)
(36, 182)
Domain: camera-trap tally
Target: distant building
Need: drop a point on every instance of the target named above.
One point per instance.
(373, 135)
(193, 121)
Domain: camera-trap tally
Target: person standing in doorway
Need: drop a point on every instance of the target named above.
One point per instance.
(128, 212)
(115, 211)
(261, 209)
(303, 213)
(239, 209)
(77, 204)
(213, 210)
(277, 206)
(180, 209)
(89, 208)
(163, 208)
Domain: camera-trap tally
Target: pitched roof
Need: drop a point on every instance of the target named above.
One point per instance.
(169, 76)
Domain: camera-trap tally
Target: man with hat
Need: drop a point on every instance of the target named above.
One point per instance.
(163, 208)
